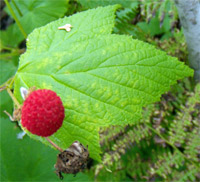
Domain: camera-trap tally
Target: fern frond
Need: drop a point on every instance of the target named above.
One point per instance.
(139, 158)
(163, 8)
(135, 135)
(131, 151)
(177, 132)
(128, 138)
(184, 133)
(111, 134)
(125, 20)
(166, 164)
(189, 174)
(120, 146)
(192, 149)
(182, 127)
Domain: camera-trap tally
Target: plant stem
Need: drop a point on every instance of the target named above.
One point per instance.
(11, 49)
(10, 82)
(169, 143)
(58, 148)
(7, 48)
(16, 19)
(18, 10)
(7, 84)
(8, 114)
(2, 88)
(13, 98)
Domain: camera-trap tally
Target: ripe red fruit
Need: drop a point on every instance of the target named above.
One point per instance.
(42, 112)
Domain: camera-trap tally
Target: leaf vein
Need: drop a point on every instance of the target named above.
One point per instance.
(91, 96)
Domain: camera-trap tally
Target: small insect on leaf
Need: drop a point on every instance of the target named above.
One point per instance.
(72, 160)
(67, 27)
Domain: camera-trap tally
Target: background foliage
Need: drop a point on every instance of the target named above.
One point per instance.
(162, 146)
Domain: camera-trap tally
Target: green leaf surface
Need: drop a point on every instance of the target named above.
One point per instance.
(11, 36)
(26, 159)
(8, 69)
(34, 14)
(6, 103)
(102, 78)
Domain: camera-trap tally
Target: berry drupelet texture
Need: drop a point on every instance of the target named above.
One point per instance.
(42, 112)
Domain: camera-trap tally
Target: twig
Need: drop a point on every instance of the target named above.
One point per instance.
(2, 88)
(58, 148)
(7, 84)
(13, 98)
(9, 115)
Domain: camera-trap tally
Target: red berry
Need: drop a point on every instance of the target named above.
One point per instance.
(42, 112)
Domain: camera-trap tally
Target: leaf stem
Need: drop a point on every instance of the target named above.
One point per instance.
(56, 146)
(16, 19)
(13, 98)
(11, 81)
(10, 48)
(18, 10)
(7, 84)
(172, 145)
(7, 48)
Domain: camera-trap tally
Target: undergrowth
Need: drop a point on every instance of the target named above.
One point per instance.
(164, 145)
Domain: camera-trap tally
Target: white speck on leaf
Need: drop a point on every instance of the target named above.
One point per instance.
(23, 92)
(67, 27)
(21, 135)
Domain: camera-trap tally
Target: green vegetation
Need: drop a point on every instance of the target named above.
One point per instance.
(115, 84)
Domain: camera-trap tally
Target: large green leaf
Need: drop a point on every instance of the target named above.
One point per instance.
(35, 13)
(101, 78)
